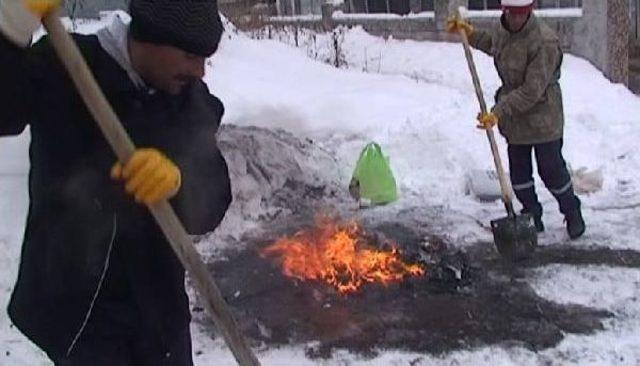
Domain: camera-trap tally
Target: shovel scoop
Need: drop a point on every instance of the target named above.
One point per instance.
(515, 237)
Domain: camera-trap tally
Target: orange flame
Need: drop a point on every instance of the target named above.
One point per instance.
(339, 255)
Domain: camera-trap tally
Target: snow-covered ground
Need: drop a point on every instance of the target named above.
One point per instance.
(417, 101)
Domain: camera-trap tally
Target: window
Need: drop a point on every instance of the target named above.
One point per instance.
(387, 6)
(559, 4)
(427, 5)
(379, 6)
(484, 4)
(399, 7)
(542, 4)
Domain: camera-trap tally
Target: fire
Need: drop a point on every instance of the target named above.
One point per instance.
(339, 255)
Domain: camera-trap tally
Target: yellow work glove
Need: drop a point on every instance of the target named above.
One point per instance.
(42, 7)
(455, 25)
(149, 176)
(487, 120)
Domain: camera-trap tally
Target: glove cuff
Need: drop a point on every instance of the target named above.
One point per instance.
(17, 24)
(497, 111)
(178, 184)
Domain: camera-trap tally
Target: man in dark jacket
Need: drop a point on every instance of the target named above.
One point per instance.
(528, 108)
(98, 283)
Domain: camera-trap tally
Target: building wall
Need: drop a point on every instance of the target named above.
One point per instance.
(589, 33)
(236, 10)
(618, 34)
(310, 6)
(601, 34)
(92, 8)
(231, 8)
(299, 7)
(634, 28)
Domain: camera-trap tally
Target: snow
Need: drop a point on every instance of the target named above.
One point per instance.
(356, 16)
(613, 289)
(290, 18)
(416, 100)
(545, 13)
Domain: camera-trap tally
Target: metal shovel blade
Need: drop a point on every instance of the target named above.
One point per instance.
(515, 236)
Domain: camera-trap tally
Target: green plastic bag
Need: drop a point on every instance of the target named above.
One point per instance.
(372, 178)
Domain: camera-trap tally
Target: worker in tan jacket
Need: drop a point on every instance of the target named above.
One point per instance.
(528, 109)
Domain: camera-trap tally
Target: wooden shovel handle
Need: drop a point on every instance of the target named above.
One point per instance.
(502, 177)
(163, 213)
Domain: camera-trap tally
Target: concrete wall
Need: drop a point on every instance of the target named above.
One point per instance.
(563, 26)
(410, 28)
(618, 34)
(240, 12)
(634, 28)
(589, 32)
(427, 26)
(92, 8)
(600, 35)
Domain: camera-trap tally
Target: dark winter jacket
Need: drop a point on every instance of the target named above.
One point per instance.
(80, 221)
(529, 103)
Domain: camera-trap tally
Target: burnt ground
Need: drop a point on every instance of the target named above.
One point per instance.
(467, 299)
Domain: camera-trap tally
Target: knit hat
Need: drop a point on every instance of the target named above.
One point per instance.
(191, 25)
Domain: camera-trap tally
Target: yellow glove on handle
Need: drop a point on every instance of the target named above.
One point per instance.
(42, 8)
(487, 120)
(455, 25)
(149, 175)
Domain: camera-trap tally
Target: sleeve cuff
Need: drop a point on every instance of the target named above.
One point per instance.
(16, 23)
(497, 111)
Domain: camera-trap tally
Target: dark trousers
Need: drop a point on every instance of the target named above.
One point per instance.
(114, 336)
(551, 168)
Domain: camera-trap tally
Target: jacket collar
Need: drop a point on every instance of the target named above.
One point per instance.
(114, 40)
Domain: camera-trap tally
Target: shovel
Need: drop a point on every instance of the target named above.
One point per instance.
(164, 214)
(515, 236)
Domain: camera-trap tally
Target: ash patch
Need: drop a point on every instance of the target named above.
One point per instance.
(468, 299)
